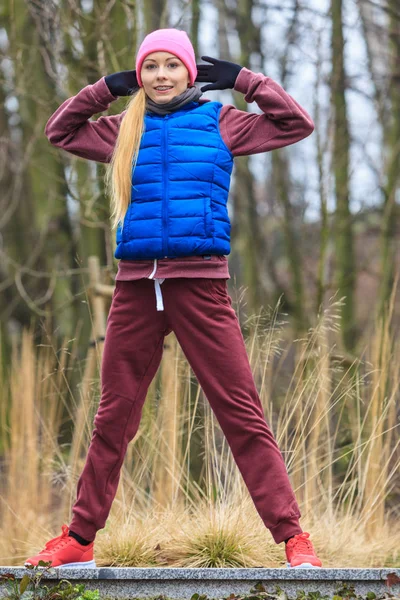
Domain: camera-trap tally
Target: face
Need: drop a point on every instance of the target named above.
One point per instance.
(164, 68)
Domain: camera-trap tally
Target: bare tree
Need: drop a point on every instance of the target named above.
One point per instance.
(343, 231)
(382, 22)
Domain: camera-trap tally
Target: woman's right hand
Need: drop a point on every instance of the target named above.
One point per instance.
(123, 83)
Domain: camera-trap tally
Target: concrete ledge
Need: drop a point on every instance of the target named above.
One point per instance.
(128, 583)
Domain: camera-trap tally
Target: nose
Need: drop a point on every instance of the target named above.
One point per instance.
(160, 73)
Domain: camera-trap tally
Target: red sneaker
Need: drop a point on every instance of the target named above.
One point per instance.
(65, 551)
(300, 552)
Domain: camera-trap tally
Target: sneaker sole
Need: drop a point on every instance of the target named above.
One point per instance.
(83, 565)
(303, 566)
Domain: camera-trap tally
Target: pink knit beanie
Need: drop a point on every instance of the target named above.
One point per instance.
(168, 40)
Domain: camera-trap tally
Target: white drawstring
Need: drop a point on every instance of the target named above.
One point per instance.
(160, 305)
(157, 283)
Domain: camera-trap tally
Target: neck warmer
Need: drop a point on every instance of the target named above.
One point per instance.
(191, 94)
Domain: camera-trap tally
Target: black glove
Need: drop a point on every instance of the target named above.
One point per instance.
(123, 83)
(222, 72)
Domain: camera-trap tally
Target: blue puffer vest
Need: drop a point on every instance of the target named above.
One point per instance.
(180, 187)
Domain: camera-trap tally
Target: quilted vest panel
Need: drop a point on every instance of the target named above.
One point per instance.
(180, 187)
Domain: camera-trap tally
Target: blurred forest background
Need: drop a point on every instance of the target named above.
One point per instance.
(314, 262)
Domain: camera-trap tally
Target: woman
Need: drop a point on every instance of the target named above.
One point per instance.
(173, 229)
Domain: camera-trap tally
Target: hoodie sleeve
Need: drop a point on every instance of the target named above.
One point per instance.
(70, 129)
(282, 123)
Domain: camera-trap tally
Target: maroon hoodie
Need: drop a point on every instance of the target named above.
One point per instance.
(282, 123)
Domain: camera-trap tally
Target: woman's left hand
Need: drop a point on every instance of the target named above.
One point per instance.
(222, 73)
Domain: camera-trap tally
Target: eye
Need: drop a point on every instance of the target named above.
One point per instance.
(173, 64)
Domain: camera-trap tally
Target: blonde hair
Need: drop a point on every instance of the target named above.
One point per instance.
(118, 176)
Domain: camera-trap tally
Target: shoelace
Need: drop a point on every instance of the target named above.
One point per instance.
(301, 542)
(59, 540)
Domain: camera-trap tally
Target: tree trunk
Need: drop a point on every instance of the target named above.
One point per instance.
(246, 232)
(345, 267)
(390, 216)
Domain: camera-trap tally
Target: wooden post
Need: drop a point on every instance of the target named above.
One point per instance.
(96, 292)
(169, 459)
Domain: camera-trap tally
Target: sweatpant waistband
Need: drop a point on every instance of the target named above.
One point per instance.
(158, 281)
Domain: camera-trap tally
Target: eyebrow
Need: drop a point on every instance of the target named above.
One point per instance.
(169, 58)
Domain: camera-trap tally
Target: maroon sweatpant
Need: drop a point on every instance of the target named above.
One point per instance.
(199, 311)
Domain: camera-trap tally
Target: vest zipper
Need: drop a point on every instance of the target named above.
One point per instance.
(165, 242)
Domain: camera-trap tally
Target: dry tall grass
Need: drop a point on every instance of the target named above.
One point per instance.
(335, 422)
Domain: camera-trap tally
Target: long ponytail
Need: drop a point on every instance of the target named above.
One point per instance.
(118, 176)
